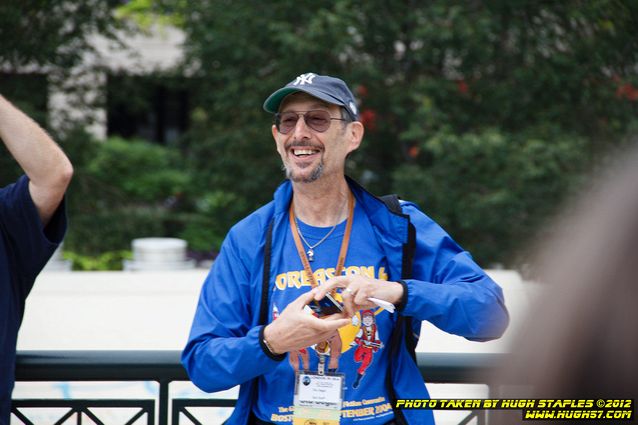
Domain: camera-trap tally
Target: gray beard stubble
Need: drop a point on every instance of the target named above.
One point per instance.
(316, 173)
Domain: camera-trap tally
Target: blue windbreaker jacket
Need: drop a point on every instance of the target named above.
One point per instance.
(448, 289)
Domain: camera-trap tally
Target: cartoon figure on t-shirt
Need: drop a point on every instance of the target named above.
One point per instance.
(367, 342)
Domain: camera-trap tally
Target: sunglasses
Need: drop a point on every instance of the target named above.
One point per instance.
(317, 119)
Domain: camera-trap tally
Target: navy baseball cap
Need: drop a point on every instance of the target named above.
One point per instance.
(329, 89)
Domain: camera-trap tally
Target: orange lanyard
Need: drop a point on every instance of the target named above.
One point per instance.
(344, 243)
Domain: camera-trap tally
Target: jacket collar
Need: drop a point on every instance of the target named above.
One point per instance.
(393, 228)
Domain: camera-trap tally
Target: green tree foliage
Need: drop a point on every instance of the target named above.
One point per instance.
(122, 190)
(51, 33)
(501, 189)
(57, 38)
(43, 42)
(110, 260)
(141, 171)
(484, 112)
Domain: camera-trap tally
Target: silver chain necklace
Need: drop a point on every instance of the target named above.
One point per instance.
(311, 253)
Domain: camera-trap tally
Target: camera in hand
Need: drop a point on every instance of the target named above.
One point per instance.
(326, 306)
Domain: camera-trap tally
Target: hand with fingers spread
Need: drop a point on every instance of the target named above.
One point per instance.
(295, 328)
(357, 290)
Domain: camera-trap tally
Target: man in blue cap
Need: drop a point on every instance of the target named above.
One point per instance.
(32, 224)
(296, 275)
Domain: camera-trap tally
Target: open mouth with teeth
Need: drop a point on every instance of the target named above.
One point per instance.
(304, 152)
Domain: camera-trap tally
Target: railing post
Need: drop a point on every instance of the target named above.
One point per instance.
(492, 393)
(163, 402)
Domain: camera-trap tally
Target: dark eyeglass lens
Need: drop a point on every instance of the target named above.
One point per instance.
(287, 121)
(317, 120)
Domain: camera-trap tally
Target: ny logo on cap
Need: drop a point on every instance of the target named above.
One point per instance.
(304, 78)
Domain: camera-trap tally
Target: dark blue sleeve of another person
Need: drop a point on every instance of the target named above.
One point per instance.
(25, 248)
(28, 246)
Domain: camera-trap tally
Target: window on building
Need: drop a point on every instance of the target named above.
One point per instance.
(152, 108)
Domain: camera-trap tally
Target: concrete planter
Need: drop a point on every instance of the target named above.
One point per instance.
(159, 254)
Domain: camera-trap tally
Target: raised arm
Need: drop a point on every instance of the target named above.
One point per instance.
(48, 168)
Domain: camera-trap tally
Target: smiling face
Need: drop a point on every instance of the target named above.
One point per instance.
(367, 320)
(309, 155)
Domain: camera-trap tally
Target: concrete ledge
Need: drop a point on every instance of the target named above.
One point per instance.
(154, 310)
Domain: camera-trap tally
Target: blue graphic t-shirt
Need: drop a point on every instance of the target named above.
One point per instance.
(358, 350)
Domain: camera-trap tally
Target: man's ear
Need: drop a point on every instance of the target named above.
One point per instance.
(356, 131)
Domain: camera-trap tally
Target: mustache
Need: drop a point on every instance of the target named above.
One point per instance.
(301, 144)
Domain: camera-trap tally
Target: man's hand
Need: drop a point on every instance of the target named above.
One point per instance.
(358, 289)
(42, 160)
(295, 328)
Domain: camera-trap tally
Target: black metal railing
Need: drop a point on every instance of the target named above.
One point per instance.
(164, 367)
(80, 408)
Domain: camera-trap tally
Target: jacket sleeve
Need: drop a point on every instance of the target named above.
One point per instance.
(224, 349)
(449, 289)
